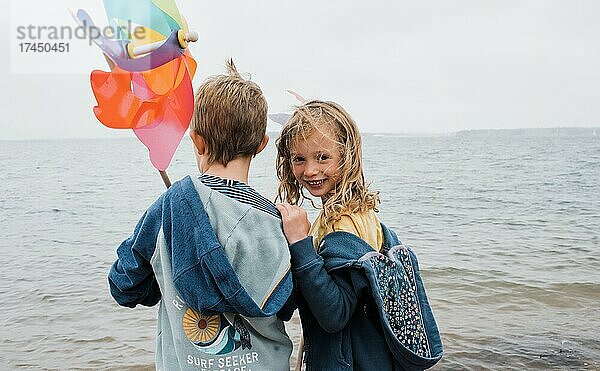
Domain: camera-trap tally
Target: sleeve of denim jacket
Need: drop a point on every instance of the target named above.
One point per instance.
(131, 278)
(330, 297)
(286, 312)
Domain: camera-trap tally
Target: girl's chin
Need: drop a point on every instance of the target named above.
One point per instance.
(322, 193)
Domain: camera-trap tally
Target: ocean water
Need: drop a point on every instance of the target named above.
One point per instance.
(506, 225)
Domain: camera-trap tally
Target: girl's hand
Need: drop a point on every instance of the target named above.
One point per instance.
(295, 222)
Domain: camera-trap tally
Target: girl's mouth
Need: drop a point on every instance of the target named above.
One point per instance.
(315, 183)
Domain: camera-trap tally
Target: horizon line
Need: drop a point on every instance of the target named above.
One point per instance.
(408, 133)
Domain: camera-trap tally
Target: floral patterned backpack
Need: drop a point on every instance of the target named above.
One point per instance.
(397, 288)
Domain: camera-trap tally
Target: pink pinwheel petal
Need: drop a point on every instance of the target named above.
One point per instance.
(162, 142)
(298, 96)
(163, 137)
(140, 88)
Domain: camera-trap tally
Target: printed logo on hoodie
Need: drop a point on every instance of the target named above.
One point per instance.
(215, 334)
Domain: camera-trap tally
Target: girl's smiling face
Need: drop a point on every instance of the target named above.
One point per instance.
(315, 162)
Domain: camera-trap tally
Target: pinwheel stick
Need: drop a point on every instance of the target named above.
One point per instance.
(165, 178)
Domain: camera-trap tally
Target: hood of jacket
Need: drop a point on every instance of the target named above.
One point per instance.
(343, 249)
(225, 256)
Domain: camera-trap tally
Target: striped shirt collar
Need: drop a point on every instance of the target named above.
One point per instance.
(241, 192)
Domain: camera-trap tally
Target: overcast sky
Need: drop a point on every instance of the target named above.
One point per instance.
(396, 66)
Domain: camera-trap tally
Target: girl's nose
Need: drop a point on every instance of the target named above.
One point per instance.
(311, 169)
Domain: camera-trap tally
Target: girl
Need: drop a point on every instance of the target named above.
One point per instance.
(319, 150)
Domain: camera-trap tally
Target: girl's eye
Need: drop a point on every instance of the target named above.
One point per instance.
(322, 157)
(297, 159)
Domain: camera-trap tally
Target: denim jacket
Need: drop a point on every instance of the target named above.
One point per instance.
(342, 319)
(221, 272)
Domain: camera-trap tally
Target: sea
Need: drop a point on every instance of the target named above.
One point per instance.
(505, 223)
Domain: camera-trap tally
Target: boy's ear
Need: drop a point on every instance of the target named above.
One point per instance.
(198, 142)
(263, 144)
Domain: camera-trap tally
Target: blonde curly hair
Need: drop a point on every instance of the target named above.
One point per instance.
(350, 194)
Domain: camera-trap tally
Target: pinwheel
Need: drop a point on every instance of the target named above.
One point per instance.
(282, 117)
(149, 88)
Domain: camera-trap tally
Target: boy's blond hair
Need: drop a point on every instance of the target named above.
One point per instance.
(230, 113)
(350, 194)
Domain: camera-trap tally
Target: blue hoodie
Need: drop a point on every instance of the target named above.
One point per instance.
(349, 319)
(221, 272)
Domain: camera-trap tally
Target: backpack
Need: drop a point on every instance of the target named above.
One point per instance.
(409, 326)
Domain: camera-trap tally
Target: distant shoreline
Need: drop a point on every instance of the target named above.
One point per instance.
(595, 131)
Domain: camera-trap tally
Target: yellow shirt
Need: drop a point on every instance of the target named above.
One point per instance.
(364, 225)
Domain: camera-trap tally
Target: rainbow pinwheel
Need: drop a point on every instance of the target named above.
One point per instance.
(149, 89)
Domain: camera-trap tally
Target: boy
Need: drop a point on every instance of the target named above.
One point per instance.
(211, 249)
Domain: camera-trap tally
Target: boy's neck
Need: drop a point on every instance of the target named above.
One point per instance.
(236, 169)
